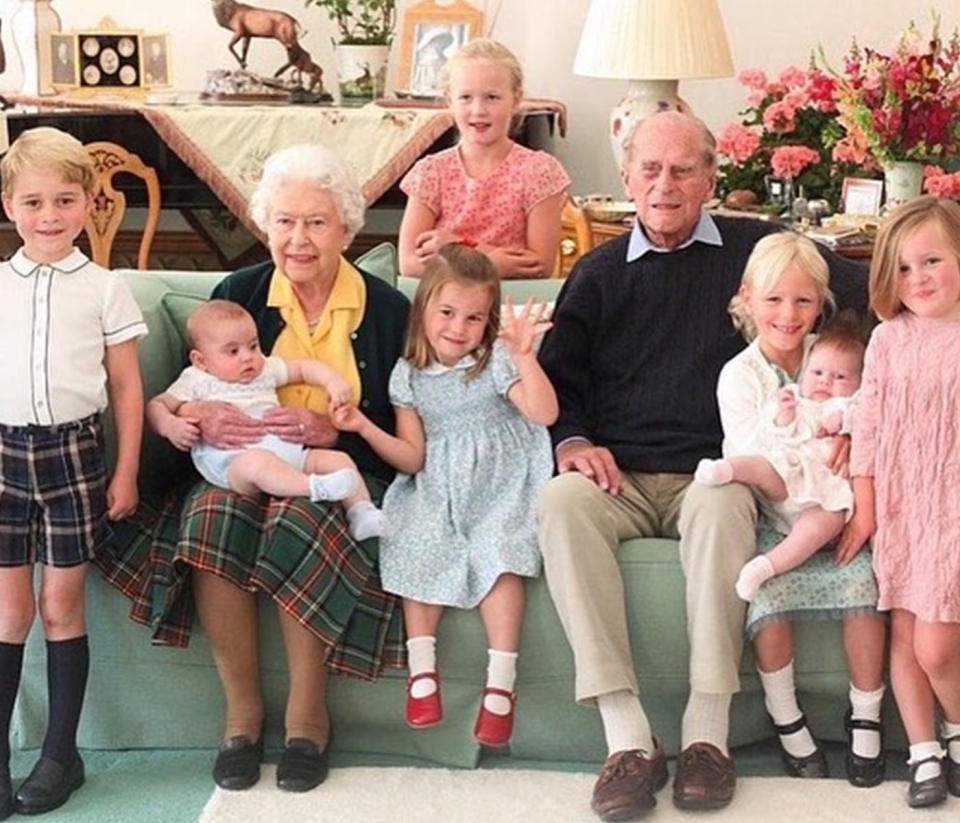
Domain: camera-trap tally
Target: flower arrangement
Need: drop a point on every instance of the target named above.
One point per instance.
(789, 130)
(904, 105)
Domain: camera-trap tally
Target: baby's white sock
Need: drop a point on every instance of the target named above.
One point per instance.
(921, 751)
(713, 472)
(333, 486)
(625, 724)
(752, 576)
(780, 698)
(865, 706)
(421, 658)
(948, 729)
(501, 674)
(365, 520)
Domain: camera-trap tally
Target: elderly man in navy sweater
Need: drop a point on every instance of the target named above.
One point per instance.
(640, 333)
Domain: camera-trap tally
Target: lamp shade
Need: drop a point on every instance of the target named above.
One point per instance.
(653, 40)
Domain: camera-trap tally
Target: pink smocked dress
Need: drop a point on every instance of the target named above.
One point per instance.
(906, 433)
(492, 210)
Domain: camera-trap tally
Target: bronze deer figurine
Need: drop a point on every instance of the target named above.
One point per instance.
(298, 58)
(247, 21)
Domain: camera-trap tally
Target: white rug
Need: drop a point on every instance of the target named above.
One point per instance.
(407, 795)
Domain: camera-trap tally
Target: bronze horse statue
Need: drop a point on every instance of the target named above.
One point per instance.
(247, 21)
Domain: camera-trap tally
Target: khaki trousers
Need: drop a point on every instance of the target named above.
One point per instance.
(580, 529)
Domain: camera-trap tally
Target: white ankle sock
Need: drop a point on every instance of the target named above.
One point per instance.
(921, 751)
(713, 472)
(625, 724)
(365, 520)
(333, 486)
(865, 706)
(752, 576)
(706, 719)
(948, 729)
(780, 698)
(501, 674)
(422, 657)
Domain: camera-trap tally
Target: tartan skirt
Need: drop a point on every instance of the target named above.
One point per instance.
(297, 552)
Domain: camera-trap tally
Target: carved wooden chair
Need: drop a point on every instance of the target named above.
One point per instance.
(109, 205)
(574, 220)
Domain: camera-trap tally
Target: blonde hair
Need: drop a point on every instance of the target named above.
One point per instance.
(213, 311)
(885, 266)
(485, 49)
(47, 149)
(467, 267)
(770, 258)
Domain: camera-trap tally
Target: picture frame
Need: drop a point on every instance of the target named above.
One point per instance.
(861, 196)
(431, 33)
(108, 59)
(156, 60)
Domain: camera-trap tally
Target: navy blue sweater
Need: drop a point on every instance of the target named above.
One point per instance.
(636, 348)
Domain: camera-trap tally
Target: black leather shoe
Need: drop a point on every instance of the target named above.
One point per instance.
(864, 771)
(811, 765)
(237, 766)
(6, 793)
(302, 765)
(927, 792)
(951, 767)
(48, 786)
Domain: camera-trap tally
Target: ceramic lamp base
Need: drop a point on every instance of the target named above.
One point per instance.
(643, 98)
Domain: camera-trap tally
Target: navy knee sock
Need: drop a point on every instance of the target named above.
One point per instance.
(11, 664)
(67, 664)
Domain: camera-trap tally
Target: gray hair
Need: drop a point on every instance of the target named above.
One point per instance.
(678, 119)
(315, 164)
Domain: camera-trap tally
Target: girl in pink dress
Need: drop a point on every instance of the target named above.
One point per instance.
(486, 191)
(906, 470)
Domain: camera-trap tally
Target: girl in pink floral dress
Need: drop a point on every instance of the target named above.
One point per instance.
(906, 471)
(486, 191)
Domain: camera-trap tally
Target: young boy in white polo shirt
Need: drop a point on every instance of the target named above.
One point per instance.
(68, 332)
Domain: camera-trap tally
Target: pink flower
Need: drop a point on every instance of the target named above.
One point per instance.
(755, 98)
(752, 78)
(779, 117)
(793, 78)
(853, 148)
(737, 142)
(797, 98)
(790, 161)
(940, 184)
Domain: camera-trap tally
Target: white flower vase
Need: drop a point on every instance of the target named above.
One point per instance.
(902, 181)
(361, 72)
(32, 24)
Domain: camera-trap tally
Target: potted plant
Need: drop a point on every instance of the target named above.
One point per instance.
(365, 29)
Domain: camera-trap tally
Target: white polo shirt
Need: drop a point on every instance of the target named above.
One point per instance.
(56, 321)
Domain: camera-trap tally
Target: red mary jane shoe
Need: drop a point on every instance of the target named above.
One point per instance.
(424, 712)
(492, 729)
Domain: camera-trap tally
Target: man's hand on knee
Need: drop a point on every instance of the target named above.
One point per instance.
(595, 462)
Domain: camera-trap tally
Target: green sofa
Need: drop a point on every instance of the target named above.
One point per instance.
(144, 696)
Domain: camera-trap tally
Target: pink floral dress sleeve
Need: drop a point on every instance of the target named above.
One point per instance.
(423, 182)
(545, 177)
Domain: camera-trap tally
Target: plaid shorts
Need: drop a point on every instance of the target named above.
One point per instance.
(53, 493)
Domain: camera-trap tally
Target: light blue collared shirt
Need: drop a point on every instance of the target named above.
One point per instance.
(705, 232)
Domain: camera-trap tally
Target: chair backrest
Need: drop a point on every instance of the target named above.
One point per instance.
(109, 205)
(573, 217)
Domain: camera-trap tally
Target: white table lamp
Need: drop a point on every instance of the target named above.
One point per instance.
(653, 44)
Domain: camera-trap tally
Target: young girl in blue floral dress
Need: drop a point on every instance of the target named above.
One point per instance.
(472, 452)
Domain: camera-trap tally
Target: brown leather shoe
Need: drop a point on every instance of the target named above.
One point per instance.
(627, 782)
(705, 778)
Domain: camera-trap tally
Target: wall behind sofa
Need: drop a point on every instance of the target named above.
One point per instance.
(766, 34)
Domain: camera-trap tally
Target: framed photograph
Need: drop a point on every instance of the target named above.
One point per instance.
(861, 196)
(431, 35)
(156, 60)
(63, 56)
